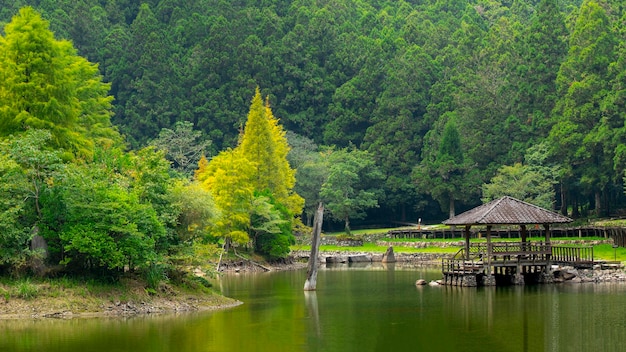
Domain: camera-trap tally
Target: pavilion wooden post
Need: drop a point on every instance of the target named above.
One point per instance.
(466, 233)
(489, 279)
(488, 250)
(311, 276)
(546, 227)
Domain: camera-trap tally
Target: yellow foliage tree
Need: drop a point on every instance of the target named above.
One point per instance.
(227, 177)
(264, 143)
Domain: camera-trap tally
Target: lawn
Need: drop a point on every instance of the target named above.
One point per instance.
(600, 252)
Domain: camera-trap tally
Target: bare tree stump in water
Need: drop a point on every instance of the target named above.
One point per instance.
(389, 257)
(311, 275)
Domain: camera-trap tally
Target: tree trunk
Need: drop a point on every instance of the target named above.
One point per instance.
(598, 203)
(575, 210)
(311, 279)
(347, 227)
(452, 211)
(563, 200)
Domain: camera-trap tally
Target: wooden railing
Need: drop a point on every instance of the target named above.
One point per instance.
(459, 264)
(511, 248)
(572, 255)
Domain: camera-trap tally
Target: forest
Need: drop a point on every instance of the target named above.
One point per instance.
(392, 111)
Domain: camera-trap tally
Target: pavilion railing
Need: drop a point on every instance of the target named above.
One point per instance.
(573, 255)
(460, 264)
(511, 248)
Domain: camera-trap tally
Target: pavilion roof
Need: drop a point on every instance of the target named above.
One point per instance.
(507, 211)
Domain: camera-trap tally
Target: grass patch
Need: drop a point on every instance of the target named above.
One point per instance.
(607, 252)
(52, 296)
(360, 232)
(26, 290)
(610, 223)
(373, 248)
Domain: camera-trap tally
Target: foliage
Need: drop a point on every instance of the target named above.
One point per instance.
(312, 170)
(14, 232)
(446, 174)
(271, 226)
(182, 146)
(46, 85)
(520, 182)
(197, 210)
(352, 186)
(228, 178)
(105, 225)
(264, 143)
(384, 76)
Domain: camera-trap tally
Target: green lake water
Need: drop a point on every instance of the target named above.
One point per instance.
(363, 308)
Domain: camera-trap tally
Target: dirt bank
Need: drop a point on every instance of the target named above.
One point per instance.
(53, 300)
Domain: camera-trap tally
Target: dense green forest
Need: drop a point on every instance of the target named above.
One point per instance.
(394, 110)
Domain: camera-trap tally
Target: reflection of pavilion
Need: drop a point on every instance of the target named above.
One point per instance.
(481, 263)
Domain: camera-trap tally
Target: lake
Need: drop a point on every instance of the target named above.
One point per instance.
(355, 308)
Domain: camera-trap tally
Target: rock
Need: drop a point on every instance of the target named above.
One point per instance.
(389, 257)
(359, 259)
(332, 260)
(420, 282)
(433, 283)
(564, 275)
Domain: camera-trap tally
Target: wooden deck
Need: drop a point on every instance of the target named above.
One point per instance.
(514, 259)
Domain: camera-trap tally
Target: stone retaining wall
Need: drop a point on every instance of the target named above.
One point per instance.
(446, 244)
(426, 258)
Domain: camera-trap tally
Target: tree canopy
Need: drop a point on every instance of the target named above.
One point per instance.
(383, 76)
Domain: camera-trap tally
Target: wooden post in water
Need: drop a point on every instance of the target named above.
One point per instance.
(311, 275)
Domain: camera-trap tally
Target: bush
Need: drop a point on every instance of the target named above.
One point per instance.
(27, 290)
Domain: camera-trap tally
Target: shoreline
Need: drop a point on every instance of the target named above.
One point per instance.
(174, 301)
(53, 300)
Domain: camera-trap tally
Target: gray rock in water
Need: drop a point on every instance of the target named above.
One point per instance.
(334, 260)
(389, 257)
(420, 282)
(563, 275)
(359, 259)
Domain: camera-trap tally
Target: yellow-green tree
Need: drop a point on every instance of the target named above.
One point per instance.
(227, 177)
(264, 143)
(44, 84)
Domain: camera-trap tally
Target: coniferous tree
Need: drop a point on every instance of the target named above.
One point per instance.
(264, 143)
(446, 174)
(44, 84)
(583, 84)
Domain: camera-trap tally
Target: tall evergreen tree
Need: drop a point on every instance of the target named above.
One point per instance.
(583, 84)
(445, 173)
(264, 143)
(44, 84)
(545, 48)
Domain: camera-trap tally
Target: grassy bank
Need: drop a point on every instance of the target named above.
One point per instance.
(30, 297)
(600, 252)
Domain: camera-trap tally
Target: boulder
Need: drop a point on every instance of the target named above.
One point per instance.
(334, 260)
(359, 259)
(420, 282)
(564, 275)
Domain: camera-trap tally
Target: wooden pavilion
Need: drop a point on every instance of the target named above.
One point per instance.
(504, 262)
